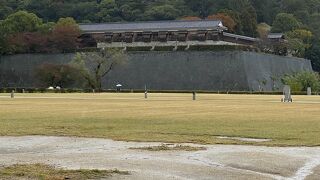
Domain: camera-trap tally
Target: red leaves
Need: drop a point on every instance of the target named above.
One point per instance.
(61, 39)
(226, 20)
(65, 37)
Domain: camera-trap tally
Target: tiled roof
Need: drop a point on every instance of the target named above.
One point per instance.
(152, 26)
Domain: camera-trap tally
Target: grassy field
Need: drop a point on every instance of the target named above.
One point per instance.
(164, 117)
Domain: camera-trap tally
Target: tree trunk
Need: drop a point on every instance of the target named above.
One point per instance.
(99, 83)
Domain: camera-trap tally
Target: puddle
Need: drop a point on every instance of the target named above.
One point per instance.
(244, 139)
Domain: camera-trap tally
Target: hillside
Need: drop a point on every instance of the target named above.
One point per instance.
(298, 19)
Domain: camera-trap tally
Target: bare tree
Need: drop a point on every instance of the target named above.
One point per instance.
(93, 66)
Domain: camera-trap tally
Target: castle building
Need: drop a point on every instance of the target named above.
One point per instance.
(160, 33)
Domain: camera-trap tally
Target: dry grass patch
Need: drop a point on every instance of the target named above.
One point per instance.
(168, 118)
(46, 172)
(166, 147)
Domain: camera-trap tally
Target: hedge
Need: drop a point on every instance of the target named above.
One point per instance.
(43, 90)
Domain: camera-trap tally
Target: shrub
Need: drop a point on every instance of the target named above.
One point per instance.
(62, 75)
(302, 80)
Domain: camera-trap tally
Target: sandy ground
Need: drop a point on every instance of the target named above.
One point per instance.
(217, 162)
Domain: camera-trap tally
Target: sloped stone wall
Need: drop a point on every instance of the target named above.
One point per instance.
(182, 70)
(264, 71)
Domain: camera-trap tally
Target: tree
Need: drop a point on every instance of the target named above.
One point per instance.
(226, 20)
(285, 22)
(68, 21)
(247, 16)
(304, 35)
(17, 43)
(302, 80)
(296, 47)
(299, 40)
(284, 15)
(292, 6)
(313, 6)
(132, 10)
(94, 66)
(84, 11)
(191, 18)
(62, 75)
(314, 24)
(65, 34)
(108, 11)
(4, 10)
(202, 8)
(15, 30)
(163, 12)
(249, 21)
(266, 10)
(46, 9)
(3, 41)
(46, 28)
(236, 17)
(313, 54)
(263, 30)
(22, 21)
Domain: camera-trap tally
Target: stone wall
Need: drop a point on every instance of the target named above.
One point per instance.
(181, 70)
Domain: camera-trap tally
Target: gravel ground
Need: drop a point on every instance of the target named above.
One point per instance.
(217, 162)
(315, 175)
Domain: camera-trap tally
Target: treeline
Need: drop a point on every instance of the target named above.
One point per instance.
(299, 19)
(24, 32)
(247, 13)
(85, 11)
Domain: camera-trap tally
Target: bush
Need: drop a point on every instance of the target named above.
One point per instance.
(44, 90)
(302, 80)
(62, 75)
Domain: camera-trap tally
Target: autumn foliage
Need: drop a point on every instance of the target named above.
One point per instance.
(65, 38)
(62, 75)
(191, 18)
(29, 42)
(61, 39)
(226, 20)
(39, 37)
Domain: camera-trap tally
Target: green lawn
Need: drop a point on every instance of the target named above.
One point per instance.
(164, 117)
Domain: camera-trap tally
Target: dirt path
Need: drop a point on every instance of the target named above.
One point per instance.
(217, 162)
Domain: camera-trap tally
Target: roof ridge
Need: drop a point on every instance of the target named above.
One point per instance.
(162, 21)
